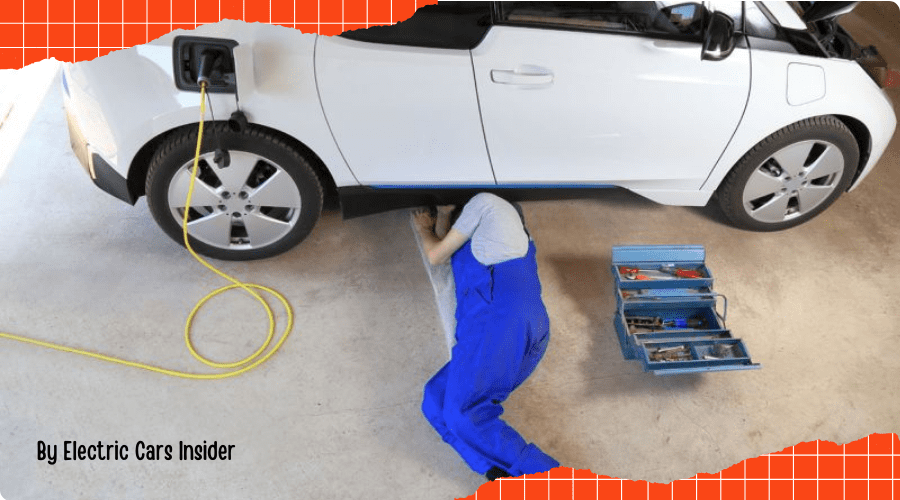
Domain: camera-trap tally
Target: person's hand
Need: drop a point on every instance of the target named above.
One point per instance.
(442, 220)
(445, 209)
(424, 220)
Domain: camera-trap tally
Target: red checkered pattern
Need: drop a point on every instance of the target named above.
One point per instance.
(78, 30)
(819, 470)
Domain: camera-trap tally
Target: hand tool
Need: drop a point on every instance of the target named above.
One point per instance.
(725, 350)
(662, 293)
(676, 353)
(663, 272)
(681, 273)
(686, 323)
(642, 277)
(655, 323)
(633, 273)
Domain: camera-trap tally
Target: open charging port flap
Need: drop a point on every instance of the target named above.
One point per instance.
(192, 52)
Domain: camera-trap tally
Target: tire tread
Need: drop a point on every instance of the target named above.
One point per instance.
(177, 141)
(728, 194)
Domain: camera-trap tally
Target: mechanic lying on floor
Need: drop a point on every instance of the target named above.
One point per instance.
(502, 331)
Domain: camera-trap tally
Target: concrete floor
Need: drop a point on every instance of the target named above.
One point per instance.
(335, 414)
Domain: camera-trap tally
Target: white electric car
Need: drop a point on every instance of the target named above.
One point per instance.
(771, 105)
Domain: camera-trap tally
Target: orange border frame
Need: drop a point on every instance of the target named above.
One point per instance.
(77, 30)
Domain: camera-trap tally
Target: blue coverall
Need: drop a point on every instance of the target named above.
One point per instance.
(501, 334)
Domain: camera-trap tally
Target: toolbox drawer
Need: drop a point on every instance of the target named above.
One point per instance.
(699, 356)
(674, 326)
(652, 258)
(632, 336)
(649, 298)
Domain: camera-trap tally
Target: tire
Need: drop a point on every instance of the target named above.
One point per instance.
(264, 203)
(790, 176)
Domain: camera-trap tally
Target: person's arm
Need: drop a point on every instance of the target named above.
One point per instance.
(438, 250)
(442, 222)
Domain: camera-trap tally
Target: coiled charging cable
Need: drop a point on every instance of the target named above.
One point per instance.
(259, 357)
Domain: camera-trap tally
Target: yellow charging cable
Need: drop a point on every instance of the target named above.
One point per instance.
(244, 365)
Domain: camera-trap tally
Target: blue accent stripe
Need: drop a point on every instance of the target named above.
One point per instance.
(493, 186)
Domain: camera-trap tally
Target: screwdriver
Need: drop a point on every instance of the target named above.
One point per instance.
(653, 322)
(686, 323)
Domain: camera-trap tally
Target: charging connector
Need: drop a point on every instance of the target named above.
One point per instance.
(208, 60)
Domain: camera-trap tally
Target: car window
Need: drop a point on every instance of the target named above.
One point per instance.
(682, 19)
(448, 25)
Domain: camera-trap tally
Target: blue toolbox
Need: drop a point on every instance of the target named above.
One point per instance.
(668, 315)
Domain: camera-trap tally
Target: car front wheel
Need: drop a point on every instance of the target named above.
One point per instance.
(264, 201)
(791, 176)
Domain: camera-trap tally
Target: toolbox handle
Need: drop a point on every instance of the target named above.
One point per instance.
(657, 299)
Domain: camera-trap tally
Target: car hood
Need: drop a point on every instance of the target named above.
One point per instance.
(825, 10)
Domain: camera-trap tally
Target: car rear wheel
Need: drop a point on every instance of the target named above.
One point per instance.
(791, 176)
(264, 202)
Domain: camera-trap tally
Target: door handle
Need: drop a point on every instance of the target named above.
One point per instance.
(523, 75)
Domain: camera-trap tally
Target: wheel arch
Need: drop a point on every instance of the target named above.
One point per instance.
(863, 140)
(730, 190)
(137, 171)
(857, 127)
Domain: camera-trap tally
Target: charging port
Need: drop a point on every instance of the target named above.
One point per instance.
(207, 59)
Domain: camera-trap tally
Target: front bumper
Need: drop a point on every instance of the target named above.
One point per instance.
(77, 141)
(103, 175)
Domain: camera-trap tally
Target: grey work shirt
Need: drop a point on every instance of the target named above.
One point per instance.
(495, 227)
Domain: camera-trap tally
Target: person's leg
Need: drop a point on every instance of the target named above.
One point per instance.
(433, 400)
(433, 408)
(493, 355)
(489, 363)
(533, 357)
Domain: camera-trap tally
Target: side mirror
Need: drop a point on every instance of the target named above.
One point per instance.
(683, 13)
(719, 41)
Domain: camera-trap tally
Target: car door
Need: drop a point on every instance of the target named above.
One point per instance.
(403, 115)
(606, 93)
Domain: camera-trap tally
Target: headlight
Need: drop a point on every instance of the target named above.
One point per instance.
(877, 69)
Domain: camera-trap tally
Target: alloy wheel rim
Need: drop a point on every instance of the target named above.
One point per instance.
(250, 204)
(793, 181)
